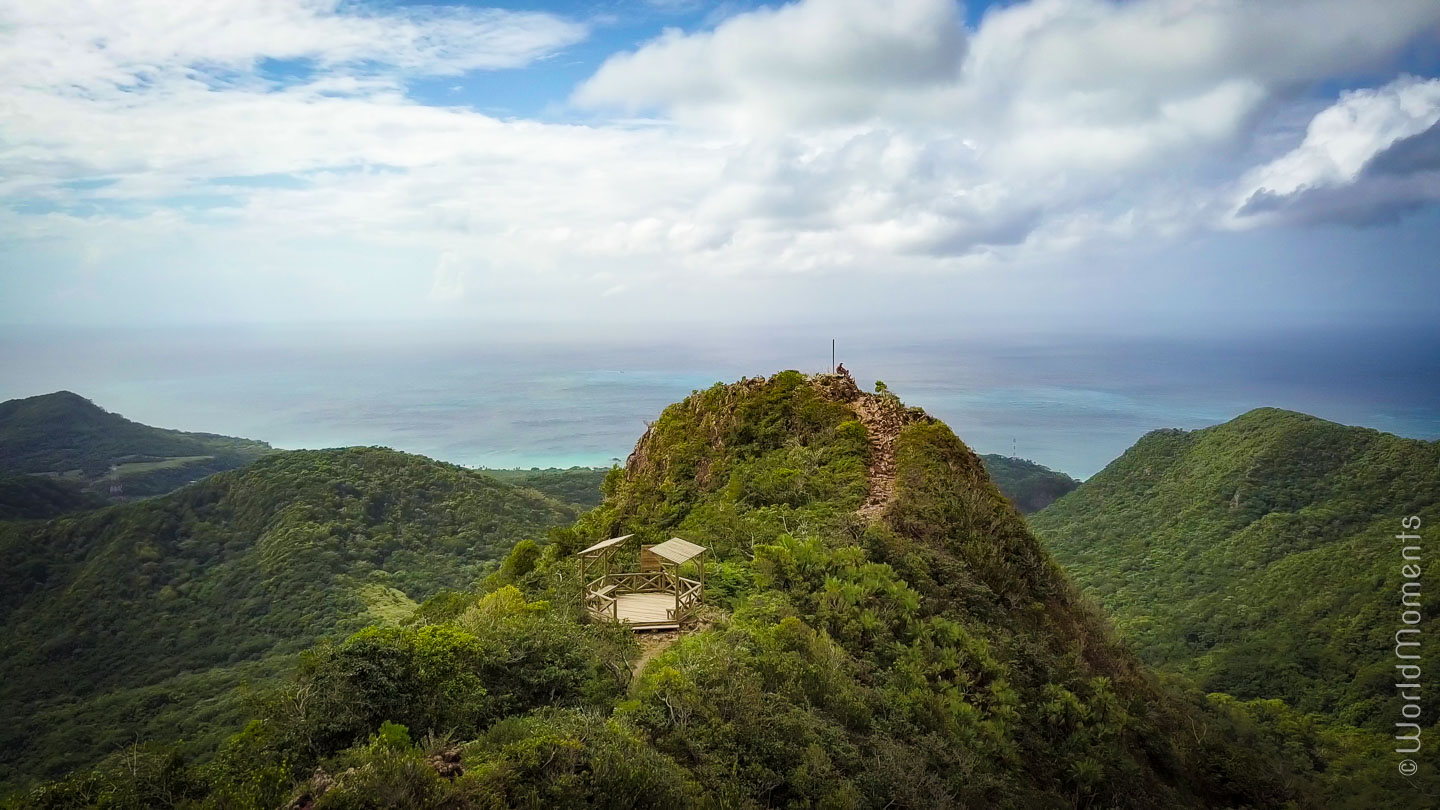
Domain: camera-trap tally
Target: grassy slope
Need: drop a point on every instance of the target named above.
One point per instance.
(1257, 556)
(1030, 486)
(61, 433)
(140, 618)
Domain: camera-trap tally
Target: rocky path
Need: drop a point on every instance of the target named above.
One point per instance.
(651, 645)
(883, 418)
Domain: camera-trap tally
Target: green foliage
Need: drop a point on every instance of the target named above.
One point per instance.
(933, 658)
(139, 778)
(387, 774)
(1258, 556)
(501, 656)
(145, 617)
(570, 758)
(518, 563)
(1030, 486)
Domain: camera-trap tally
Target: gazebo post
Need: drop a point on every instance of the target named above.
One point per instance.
(675, 583)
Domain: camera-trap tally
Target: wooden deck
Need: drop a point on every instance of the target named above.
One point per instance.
(646, 611)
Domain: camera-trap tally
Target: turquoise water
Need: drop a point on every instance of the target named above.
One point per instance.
(537, 399)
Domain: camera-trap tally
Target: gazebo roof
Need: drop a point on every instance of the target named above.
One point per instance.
(604, 544)
(677, 551)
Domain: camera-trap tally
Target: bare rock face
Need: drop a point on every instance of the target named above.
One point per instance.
(446, 763)
(839, 387)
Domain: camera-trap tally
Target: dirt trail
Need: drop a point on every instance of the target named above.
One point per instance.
(651, 645)
(883, 416)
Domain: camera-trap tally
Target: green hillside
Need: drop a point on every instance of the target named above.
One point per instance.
(64, 434)
(1258, 556)
(577, 486)
(25, 497)
(140, 619)
(882, 631)
(1030, 486)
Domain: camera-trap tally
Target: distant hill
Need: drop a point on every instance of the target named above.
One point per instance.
(65, 435)
(1258, 556)
(37, 496)
(1030, 486)
(578, 486)
(141, 619)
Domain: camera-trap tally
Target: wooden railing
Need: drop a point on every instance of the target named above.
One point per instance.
(689, 593)
(600, 600)
(602, 593)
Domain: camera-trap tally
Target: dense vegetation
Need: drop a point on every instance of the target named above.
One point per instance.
(1030, 486)
(67, 435)
(35, 497)
(141, 619)
(577, 486)
(935, 657)
(1259, 556)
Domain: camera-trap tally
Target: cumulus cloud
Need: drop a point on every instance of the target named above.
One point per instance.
(1050, 113)
(1093, 67)
(1367, 159)
(816, 136)
(820, 60)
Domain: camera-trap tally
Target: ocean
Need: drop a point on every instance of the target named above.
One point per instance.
(531, 397)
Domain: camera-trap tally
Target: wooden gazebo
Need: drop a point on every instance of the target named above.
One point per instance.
(656, 597)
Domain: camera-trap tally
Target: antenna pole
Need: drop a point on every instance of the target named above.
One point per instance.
(832, 355)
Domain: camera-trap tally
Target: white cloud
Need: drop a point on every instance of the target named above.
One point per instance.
(1069, 83)
(1348, 166)
(822, 60)
(87, 44)
(825, 135)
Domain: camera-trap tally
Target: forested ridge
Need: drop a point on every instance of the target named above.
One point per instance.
(1028, 485)
(933, 657)
(143, 618)
(1258, 556)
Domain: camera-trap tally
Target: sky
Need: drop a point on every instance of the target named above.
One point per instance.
(1161, 165)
